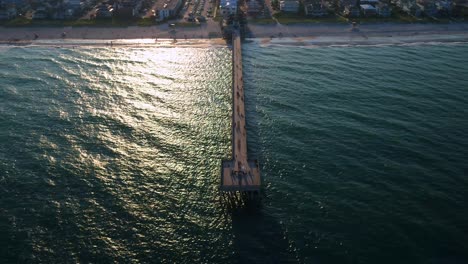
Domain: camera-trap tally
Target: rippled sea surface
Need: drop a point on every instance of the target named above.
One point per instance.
(113, 155)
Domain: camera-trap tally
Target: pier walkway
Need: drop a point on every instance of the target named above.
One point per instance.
(240, 173)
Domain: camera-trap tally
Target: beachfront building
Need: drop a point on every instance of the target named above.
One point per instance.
(429, 7)
(415, 10)
(40, 13)
(104, 11)
(4, 15)
(349, 8)
(383, 10)
(127, 8)
(73, 7)
(369, 2)
(368, 10)
(73, 4)
(460, 8)
(352, 11)
(444, 8)
(17, 4)
(10, 7)
(289, 6)
(254, 7)
(315, 8)
(228, 7)
(342, 4)
(410, 7)
(166, 9)
(8, 12)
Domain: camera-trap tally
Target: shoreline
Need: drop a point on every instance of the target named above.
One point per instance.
(298, 35)
(142, 43)
(342, 41)
(321, 41)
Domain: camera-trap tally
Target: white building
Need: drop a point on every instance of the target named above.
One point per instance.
(290, 6)
(166, 9)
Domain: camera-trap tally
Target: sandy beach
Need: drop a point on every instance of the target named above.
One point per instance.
(370, 34)
(300, 34)
(108, 33)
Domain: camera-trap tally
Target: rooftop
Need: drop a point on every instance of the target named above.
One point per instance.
(166, 4)
(367, 7)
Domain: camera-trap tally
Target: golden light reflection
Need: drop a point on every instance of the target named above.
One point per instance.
(157, 61)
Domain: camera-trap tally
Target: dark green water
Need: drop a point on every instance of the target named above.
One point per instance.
(113, 155)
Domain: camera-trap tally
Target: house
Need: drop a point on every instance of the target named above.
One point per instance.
(167, 8)
(289, 6)
(368, 10)
(369, 2)
(8, 12)
(73, 7)
(228, 7)
(16, 3)
(315, 9)
(342, 4)
(460, 7)
(413, 9)
(417, 10)
(73, 4)
(4, 15)
(383, 10)
(127, 8)
(104, 11)
(254, 7)
(352, 11)
(429, 7)
(58, 14)
(444, 7)
(40, 13)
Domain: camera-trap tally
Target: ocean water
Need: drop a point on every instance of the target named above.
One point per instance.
(113, 154)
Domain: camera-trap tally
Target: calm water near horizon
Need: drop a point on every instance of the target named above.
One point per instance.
(113, 155)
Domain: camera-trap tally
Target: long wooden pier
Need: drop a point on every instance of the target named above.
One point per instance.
(240, 173)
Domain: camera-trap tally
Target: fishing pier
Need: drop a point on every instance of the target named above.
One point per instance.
(239, 174)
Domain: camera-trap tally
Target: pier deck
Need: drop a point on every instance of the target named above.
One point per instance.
(240, 173)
